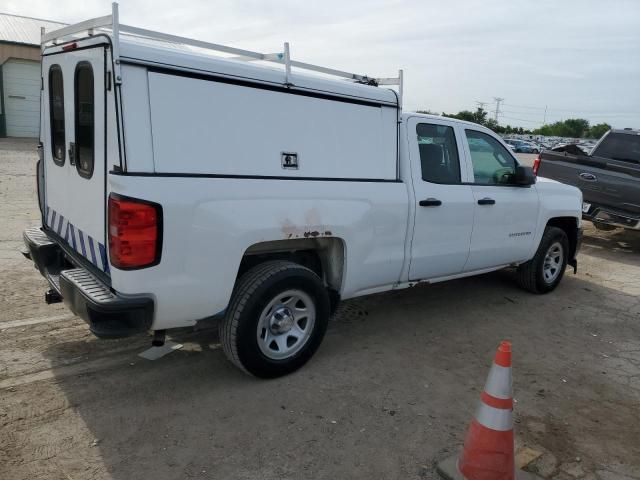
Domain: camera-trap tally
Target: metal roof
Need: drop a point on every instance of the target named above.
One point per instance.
(25, 30)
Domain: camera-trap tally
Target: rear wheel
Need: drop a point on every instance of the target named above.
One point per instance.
(276, 320)
(545, 270)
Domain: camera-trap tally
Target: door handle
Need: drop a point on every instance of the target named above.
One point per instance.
(430, 202)
(72, 153)
(486, 201)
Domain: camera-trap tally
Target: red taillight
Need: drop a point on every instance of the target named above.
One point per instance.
(135, 232)
(536, 165)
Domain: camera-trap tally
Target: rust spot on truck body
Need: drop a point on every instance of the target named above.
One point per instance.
(312, 227)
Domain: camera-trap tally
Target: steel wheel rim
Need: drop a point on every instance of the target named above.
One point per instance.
(286, 324)
(553, 261)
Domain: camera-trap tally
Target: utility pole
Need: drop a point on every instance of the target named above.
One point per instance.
(544, 121)
(481, 104)
(498, 102)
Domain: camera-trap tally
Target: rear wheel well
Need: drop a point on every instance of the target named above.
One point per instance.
(306, 258)
(570, 227)
(323, 256)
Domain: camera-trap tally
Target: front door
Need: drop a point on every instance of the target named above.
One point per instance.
(74, 150)
(506, 215)
(444, 205)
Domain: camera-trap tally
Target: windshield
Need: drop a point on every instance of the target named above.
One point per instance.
(620, 146)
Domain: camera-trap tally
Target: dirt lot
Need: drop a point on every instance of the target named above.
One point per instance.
(390, 392)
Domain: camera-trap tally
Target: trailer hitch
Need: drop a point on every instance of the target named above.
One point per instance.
(158, 338)
(51, 296)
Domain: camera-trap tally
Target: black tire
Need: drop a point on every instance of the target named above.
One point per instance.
(253, 292)
(530, 275)
(535, 150)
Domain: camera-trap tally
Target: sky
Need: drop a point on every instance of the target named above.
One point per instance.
(576, 58)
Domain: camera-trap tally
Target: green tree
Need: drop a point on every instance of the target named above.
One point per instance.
(596, 131)
(479, 116)
(493, 125)
(572, 127)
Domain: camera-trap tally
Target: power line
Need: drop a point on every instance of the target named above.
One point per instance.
(523, 106)
(550, 112)
(523, 120)
(594, 112)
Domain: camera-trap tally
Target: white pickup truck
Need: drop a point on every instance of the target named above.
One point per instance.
(177, 185)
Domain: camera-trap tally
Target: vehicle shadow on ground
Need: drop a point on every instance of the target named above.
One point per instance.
(392, 387)
(620, 245)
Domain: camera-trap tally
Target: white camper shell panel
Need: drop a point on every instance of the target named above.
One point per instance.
(208, 127)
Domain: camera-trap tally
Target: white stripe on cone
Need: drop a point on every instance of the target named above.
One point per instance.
(499, 382)
(499, 419)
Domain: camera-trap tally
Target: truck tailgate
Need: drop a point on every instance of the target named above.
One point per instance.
(74, 151)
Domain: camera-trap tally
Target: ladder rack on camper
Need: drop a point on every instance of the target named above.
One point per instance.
(112, 22)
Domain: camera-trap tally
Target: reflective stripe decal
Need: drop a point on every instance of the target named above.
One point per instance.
(103, 257)
(66, 230)
(92, 251)
(499, 382)
(499, 419)
(73, 237)
(60, 221)
(81, 236)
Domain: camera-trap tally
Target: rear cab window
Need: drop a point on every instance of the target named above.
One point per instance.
(439, 158)
(620, 146)
(56, 114)
(84, 119)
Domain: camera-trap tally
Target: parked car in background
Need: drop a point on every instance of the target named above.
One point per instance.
(609, 177)
(522, 146)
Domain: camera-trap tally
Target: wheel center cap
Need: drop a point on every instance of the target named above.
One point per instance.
(281, 321)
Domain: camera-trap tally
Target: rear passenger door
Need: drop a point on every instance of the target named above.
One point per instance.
(505, 220)
(444, 204)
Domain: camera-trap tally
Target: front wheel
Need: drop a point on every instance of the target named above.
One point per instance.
(545, 270)
(276, 320)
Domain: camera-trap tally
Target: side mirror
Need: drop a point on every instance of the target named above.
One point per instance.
(524, 176)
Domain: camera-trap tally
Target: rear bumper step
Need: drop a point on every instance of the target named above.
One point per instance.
(109, 314)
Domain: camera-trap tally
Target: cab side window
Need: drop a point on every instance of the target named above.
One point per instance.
(84, 120)
(56, 114)
(492, 163)
(439, 159)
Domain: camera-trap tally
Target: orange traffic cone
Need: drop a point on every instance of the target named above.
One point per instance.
(488, 452)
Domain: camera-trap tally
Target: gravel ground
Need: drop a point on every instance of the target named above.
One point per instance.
(389, 393)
